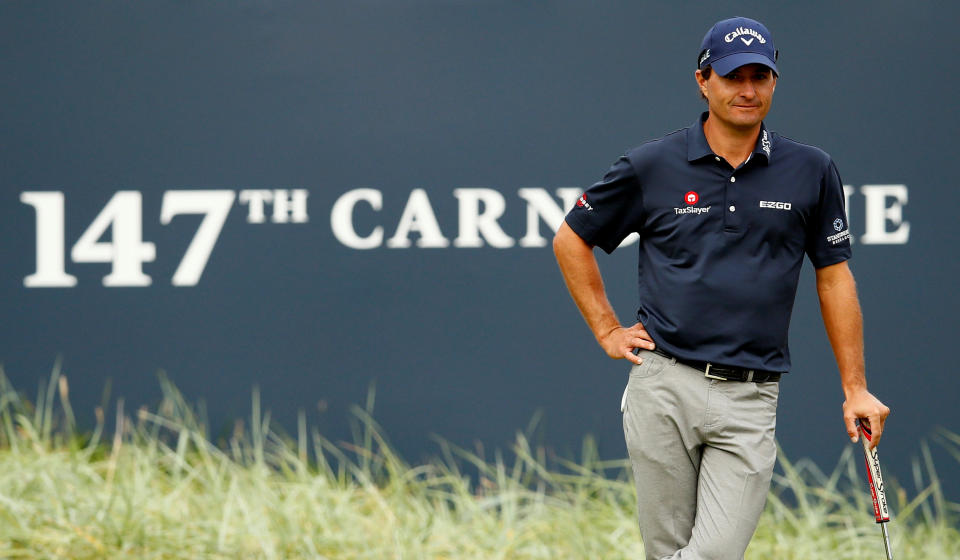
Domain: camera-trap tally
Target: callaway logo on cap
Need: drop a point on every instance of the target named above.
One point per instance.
(733, 42)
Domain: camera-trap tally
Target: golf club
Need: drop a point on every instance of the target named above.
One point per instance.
(880, 509)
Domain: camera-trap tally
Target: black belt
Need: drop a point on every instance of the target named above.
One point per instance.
(726, 373)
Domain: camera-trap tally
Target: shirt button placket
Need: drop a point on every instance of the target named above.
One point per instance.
(731, 221)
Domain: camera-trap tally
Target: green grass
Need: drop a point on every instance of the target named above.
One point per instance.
(157, 487)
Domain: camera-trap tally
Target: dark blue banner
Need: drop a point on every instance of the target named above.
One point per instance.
(316, 197)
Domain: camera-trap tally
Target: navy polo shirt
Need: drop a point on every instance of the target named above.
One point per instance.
(720, 248)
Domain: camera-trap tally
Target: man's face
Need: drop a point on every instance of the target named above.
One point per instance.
(742, 98)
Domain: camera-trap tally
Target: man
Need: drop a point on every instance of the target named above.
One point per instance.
(726, 211)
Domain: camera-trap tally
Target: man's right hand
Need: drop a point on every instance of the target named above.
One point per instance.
(620, 342)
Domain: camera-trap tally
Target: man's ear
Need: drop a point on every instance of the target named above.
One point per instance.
(701, 81)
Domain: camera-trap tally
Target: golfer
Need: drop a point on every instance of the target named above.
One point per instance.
(726, 211)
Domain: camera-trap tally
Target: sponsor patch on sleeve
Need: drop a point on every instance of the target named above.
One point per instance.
(841, 235)
(582, 202)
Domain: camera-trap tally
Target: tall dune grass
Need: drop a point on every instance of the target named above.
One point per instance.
(158, 487)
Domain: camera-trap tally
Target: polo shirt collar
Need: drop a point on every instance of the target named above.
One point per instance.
(698, 148)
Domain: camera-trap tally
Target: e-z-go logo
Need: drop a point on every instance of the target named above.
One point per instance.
(478, 224)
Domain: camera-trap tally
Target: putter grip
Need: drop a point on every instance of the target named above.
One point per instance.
(880, 509)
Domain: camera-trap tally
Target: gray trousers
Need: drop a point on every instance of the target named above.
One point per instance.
(702, 452)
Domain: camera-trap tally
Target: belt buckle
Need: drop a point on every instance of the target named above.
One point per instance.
(708, 375)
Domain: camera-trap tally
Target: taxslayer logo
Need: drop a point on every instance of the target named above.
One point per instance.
(692, 210)
(582, 202)
(740, 32)
(691, 198)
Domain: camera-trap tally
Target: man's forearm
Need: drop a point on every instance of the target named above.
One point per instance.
(582, 276)
(843, 321)
(844, 324)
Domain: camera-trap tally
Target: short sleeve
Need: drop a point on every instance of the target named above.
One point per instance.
(828, 239)
(610, 210)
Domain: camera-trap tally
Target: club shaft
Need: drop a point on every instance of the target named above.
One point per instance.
(886, 541)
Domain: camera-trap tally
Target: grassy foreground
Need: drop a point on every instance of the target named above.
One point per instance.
(159, 488)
